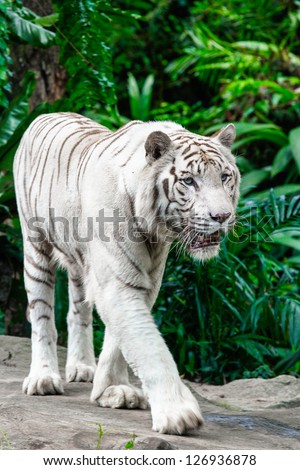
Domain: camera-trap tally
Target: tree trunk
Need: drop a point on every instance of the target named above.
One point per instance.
(51, 76)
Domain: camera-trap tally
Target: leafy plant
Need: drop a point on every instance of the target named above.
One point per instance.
(140, 100)
(28, 27)
(5, 59)
(131, 442)
(4, 441)
(85, 52)
(101, 433)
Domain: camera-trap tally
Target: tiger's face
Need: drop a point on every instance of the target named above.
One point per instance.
(198, 183)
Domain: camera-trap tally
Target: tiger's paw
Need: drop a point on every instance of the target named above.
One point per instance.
(80, 372)
(49, 383)
(177, 421)
(121, 396)
(176, 413)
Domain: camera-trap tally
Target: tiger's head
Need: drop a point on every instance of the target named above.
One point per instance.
(192, 188)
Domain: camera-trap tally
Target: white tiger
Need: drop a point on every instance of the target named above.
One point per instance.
(157, 182)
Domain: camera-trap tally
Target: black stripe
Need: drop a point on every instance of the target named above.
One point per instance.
(70, 136)
(33, 302)
(74, 148)
(187, 149)
(130, 200)
(42, 161)
(59, 123)
(76, 282)
(129, 285)
(43, 317)
(172, 172)
(56, 247)
(36, 279)
(41, 123)
(119, 133)
(125, 253)
(155, 197)
(80, 256)
(131, 154)
(37, 266)
(192, 155)
(166, 187)
(83, 160)
(41, 252)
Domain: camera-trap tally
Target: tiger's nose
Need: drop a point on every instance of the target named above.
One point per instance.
(220, 217)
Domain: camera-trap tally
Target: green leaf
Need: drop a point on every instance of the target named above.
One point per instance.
(146, 96)
(7, 151)
(294, 137)
(84, 38)
(278, 191)
(17, 110)
(294, 260)
(287, 363)
(252, 179)
(134, 96)
(254, 131)
(252, 347)
(281, 160)
(47, 21)
(29, 32)
(255, 46)
(286, 240)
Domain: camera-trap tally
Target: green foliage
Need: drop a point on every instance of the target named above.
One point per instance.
(294, 139)
(15, 113)
(211, 59)
(5, 59)
(101, 432)
(131, 442)
(82, 32)
(26, 26)
(4, 441)
(140, 100)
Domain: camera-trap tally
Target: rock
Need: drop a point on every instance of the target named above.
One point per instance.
(253, 394)
(245, 414)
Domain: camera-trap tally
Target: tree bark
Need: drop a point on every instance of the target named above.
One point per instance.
(50, 75)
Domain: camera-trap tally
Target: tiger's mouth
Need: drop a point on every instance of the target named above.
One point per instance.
(204, 240)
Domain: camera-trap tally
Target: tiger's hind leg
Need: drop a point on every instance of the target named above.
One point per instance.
(81, 364)
(111, 388)
(39, 277)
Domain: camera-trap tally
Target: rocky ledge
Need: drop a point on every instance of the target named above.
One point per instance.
(244, 414)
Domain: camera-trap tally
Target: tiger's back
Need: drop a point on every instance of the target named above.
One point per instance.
(50, 157)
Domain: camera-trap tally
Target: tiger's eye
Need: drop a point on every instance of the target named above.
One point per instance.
(188, 181)
(224, 177)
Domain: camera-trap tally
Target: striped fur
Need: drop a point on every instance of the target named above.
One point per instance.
(165, 184)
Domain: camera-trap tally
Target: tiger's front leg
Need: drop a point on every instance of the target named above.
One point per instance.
(112, 388)
(173, 407)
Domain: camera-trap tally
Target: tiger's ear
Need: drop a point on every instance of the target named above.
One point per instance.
(156, 145)
(225, 136)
